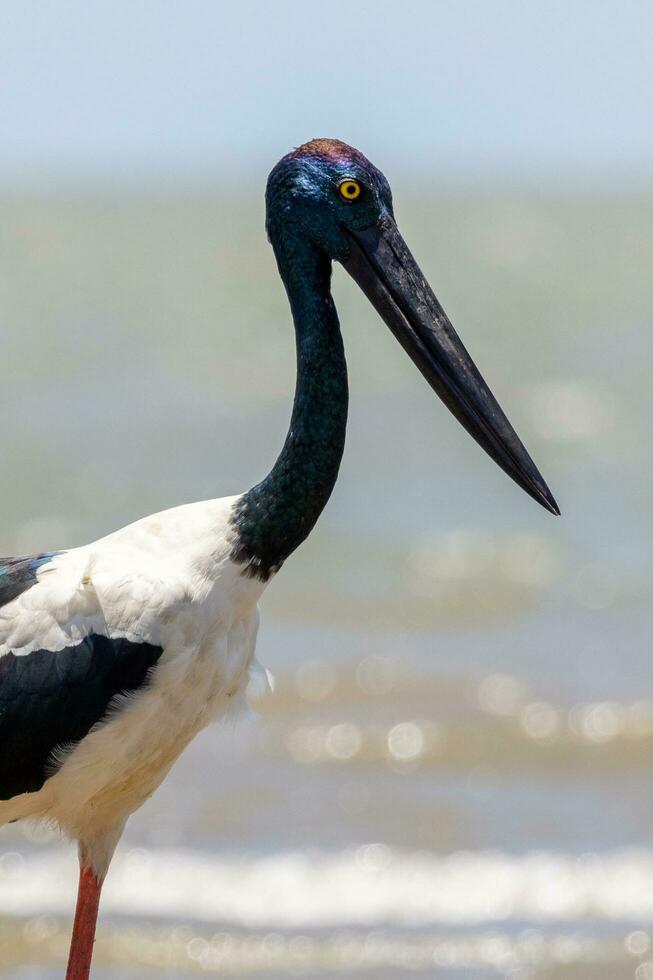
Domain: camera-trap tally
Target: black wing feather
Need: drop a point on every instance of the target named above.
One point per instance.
(52, 699)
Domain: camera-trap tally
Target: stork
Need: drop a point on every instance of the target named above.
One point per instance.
(113, 656)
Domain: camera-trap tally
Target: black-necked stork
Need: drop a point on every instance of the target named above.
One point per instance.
(114, 655)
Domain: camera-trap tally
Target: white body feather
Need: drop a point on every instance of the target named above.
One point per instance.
(166, 580)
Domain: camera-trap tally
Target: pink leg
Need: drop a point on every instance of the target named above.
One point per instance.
(81, 946)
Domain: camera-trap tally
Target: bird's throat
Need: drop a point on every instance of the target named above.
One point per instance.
(275, 516)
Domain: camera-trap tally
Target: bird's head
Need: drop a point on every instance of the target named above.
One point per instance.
(321, 191)
(327, 197)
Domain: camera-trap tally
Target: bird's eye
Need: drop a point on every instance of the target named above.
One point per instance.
(350, 189)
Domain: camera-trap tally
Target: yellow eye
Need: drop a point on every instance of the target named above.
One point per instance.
(350, 189)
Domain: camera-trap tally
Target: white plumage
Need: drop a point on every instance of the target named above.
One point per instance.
(166, 580)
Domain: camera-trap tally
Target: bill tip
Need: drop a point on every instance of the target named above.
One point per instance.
(548, 502)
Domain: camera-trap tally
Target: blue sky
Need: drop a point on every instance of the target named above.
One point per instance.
(472, 87)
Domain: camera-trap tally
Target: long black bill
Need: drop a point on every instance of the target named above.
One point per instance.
(381, 263)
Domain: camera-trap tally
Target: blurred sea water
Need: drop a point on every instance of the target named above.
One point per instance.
(452, 777)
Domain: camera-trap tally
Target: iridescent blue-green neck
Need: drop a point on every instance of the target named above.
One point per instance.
(275, 516)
